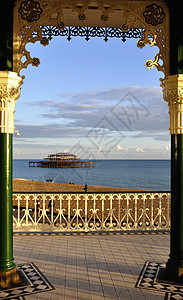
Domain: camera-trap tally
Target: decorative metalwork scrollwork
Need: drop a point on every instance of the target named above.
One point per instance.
(154, 14)
(30, 10)
(82, 17)
(91, 212)
(60, 25)
(88, 32)
(125, 19)
(104, 18)
(35, 61)
(125, 27)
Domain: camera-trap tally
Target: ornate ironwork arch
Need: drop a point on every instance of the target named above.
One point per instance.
(40, 20)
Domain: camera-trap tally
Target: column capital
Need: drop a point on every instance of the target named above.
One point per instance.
(173, 88)
(173, 94)
(10, 84)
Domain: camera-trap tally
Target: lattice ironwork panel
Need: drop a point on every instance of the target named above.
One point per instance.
(90, 32)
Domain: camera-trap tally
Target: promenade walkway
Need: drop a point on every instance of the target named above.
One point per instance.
(92, 266)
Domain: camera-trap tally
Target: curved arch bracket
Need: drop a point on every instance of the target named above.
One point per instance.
(31, 16)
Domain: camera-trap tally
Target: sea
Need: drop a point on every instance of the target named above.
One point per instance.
(152, 175)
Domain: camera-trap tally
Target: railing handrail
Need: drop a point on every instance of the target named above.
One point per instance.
(99, 192)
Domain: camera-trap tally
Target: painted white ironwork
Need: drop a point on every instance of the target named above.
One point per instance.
(82, 212)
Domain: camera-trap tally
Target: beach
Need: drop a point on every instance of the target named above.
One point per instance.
(23, 185)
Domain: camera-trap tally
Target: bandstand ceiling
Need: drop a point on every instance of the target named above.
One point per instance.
(100, 13)
(30, 16)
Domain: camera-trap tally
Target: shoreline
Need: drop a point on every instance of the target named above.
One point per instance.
(24, 185)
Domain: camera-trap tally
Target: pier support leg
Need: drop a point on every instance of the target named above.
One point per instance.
(173, 87)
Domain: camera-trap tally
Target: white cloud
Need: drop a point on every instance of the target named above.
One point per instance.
(165, 149)
(100, 149)
(135, 109)
(119, 147)
(130, 114)
(139, 149)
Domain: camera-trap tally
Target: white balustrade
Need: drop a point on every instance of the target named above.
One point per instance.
(82, 212)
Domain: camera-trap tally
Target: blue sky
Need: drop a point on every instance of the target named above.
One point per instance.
(94, 99)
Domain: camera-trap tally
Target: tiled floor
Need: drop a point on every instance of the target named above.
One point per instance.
(92, 266)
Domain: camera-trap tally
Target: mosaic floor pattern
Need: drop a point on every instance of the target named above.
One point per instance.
(149, 279)
(170, 296)
(36, 283)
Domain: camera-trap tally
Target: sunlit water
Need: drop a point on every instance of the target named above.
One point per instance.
(135, 174)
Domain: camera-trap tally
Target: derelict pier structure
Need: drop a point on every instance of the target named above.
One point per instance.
(62, 160)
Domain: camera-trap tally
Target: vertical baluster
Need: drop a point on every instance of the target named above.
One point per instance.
(69, 212)
(135, 197)
(60, 208)
(44, 208)
(144, 211)
(160, 210)
(35, 209)
(77, 211)
(111, 211)
(52, 199)
(27, 210)
(103, 199)
(119, 211)
(127, 210)
(94, 210)
(152, 210)
(86, 213)
(18, 196)
(168, 210)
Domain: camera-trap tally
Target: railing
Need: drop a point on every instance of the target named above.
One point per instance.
(91, 211)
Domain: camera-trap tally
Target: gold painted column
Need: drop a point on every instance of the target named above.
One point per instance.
(173, 94)
(9, 92)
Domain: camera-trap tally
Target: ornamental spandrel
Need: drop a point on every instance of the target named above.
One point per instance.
(31, 18)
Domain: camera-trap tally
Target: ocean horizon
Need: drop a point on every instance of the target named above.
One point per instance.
(132, 173)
